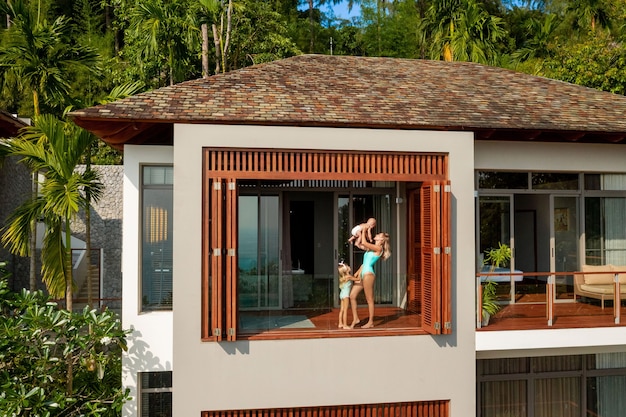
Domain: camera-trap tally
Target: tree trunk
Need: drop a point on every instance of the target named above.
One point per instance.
(69, 280)
(205, 50)
(32, 279)
(88, 236)
(311, 41)
(229, 13)
(216, 42)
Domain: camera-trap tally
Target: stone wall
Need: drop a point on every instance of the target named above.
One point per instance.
(15, 188)
(106, 226)
(106, 231)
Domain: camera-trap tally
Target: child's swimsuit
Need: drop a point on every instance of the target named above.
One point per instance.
(345, 290)
(369, 259)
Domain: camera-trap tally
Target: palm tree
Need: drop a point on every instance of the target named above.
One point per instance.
(463, 30)
(589, 12)
(54, 148)
(40, 55)
(163, 26)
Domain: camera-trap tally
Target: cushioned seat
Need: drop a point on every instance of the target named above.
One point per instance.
(597, 281)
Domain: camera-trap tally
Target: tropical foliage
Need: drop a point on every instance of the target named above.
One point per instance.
(54, 148)
(39, 341)
(55, 54)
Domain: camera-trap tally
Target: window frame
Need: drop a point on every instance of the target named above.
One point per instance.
(222, 168)
(142, 226)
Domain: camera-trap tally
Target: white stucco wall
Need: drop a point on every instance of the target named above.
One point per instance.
(292, 373)
(150, 343)
(546, 157)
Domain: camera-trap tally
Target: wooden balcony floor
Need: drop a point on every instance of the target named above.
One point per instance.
(567, 315)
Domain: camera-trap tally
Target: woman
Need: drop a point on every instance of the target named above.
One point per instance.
(365, 277)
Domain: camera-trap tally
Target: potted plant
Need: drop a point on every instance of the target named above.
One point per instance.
(496, 258)
(489, 304)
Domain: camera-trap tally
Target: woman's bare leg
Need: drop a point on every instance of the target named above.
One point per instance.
(368, 286)
(356, 289)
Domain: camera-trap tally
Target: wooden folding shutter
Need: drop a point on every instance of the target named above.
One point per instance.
(217, 260)
(430, 233)
(231, 258)
(446, 258)
(414, 251)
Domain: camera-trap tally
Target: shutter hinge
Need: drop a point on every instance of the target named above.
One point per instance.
(217, 185)
(447, 250)
(447, 188)
(217, 251)
(437, 251)
(231, 332)
(217, 331)
(231, 252)
(437, 326)
(436, 188)
(231, 186)
(447, 325)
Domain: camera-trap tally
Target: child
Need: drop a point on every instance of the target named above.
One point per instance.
(358, 231)
(345, 285)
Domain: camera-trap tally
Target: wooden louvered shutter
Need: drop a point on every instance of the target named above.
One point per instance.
(231, 258)
(414, 251)
(430, 271)
(217, 250)
(446, 258)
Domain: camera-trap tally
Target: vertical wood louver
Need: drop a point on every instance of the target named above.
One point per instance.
(288, 164)
(407, 409)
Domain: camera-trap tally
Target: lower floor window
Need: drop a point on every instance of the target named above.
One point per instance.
(558, 386)
(156, 394)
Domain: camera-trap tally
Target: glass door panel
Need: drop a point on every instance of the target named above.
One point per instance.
(565, 224)
(259, 267)
(495, 229)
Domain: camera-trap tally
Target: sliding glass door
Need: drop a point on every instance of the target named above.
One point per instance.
(259, 255)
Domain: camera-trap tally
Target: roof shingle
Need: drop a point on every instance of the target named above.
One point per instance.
(347, 91)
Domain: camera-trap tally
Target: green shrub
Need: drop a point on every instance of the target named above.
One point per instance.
(57, 363)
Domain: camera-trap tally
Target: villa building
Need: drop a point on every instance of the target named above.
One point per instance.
(240, 191)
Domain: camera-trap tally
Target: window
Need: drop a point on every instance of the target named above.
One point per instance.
(156, 254)
(275, 228)
(560, 386)
(155, 390)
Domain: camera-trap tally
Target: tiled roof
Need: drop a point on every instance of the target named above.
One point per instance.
(346, 91)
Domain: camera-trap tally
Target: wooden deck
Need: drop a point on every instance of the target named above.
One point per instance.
(567, 315)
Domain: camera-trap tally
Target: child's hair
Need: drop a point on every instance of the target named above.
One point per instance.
(344, 274)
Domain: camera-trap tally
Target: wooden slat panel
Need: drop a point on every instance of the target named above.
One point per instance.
(217, 246)
(430, 259)
(414, 251)
(277, 164)
(438, 408)
(446, 258)
(231, 258)
(206, 323)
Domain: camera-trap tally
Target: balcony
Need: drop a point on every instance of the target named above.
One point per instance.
(544, 300)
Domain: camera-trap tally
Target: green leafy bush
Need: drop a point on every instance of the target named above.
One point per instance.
(57, 363)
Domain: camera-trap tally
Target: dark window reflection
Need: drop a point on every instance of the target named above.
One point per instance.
(554, 181)
(502, 180)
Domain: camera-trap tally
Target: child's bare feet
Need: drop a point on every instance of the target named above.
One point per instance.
(367, 325)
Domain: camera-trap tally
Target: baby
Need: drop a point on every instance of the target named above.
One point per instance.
(359, 230)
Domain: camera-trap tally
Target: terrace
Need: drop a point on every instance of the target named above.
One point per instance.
(550, 301)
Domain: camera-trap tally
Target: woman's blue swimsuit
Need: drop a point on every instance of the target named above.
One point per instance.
(369, 259)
